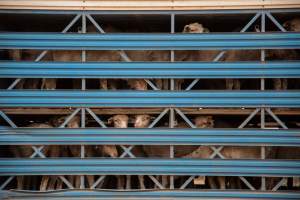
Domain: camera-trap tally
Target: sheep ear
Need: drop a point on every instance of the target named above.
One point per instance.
(257, 28)
(286, 24)
(185, 28)
(110, 120)
(152, 117)
(56, 121)
(205, 30)
(210, 117)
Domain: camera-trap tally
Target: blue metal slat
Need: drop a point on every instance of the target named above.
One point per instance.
(157, 136)
(10, 69)
(150, 41)
(132, 166)
(151, 195)
(96, 98)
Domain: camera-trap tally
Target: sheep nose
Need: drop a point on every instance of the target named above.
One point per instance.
(114, 155)
(257, 28)
(187, 28)
(286, 25)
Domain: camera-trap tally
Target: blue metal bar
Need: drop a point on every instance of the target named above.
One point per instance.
(10, 69)
(125, 98)
(151, 195)
(150, 41)
(134, 166)
(158, 136)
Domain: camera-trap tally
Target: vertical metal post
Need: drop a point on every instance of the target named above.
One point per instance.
(172, 87)
(83, 87)
(172, 31)
(262, 87)
(83, 53)
(171, 125)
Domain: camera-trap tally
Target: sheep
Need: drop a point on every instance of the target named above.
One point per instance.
(142, 121)
(30, 55)
(48, 84)
(75, 151)
(197, 55)
(204, 152)
(137, 84)
(284, 153)
(120, 121)
(91, 56)
(280, 54)
(240, 55)
(292, 25)
(26, 151)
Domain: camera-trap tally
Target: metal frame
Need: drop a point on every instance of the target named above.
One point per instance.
(129, 166)
(190, 70)
(150, 99)
(153, 195)
(262, 107)
(150, 136)
(212, 41)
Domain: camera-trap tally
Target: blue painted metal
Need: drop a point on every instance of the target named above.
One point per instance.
(157, 136)
(150, 41)
(10, 69)
(96, 98)
(151, 195)
(134, 166)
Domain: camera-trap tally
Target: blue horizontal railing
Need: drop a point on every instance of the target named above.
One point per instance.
(96, 98)
(149, 41)
(133, 166)
(157, 136)
(10, 69)
(151, 195)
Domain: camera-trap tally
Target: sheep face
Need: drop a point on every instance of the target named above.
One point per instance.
(142, 121)
(110, 150)
(195, 28)
(137, 84)
(292, 25)
(119, 121)
(204, 122)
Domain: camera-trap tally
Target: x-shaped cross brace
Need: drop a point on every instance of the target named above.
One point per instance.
(37, 152)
